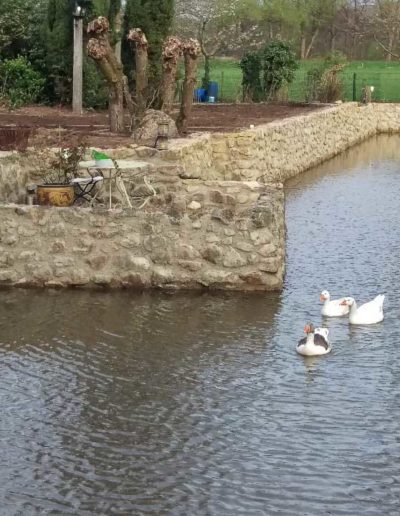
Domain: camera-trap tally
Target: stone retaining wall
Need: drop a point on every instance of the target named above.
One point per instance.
(215, 235)
(282, 149)
(217, 220)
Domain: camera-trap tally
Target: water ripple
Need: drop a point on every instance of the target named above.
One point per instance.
(182, 404)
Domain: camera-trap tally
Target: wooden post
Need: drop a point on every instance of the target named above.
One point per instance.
(354, 87)
(78, 66)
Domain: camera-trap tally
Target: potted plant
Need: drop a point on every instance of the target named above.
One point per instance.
(56, 188)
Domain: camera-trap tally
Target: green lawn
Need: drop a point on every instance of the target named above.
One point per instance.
(384, 76)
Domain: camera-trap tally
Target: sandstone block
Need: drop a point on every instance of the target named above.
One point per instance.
(39, 272)
(217, 196)
(261, 236)
(63, 261)
(225, 216)
(211, 238)
(154, 242)
(162, 276)
(6, 259)
(97, 261)
(242, 245)
(135, 280)
(162, 256)
(131, 240)
(178, 207)
(29, 255)
(8, 276)
(58, 246)
(190, 265)
(194, 206)
(262, 217)
(218, 278)
(213, 253)
(268, 250)
(232, 258)
(187, 252)
(229, 232)
(269, 265)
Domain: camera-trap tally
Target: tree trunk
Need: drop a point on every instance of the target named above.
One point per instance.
(172, 50)
(310, 46)
(207, 72)
(100, 50)
(389, 53)
(116, 108)
(191, 51)
(138, 37)
(303, 47)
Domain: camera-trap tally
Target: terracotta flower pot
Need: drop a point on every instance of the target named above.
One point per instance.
(55, 195)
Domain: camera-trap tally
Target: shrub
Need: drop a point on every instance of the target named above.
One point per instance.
(251, 69)
(19, 82)
(324, 82)
(331, 87)
(279, 64)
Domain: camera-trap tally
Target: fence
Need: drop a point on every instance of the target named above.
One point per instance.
(386, 86)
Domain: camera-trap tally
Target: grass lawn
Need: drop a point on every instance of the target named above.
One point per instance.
(384, 76)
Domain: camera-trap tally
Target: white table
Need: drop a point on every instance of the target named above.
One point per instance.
(112, 174)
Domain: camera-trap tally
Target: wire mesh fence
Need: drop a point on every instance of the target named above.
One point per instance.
(386, 86)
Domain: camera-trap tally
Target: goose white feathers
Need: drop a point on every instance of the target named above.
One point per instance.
(315, 343)
(368, 313)
(333, 307)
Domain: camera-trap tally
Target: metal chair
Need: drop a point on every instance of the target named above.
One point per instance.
(85, 186)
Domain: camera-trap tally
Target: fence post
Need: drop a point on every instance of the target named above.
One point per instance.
(354, 87)
(221, 87)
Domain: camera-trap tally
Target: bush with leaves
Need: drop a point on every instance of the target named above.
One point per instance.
(251, 69)
(279, 65)
(19, 82)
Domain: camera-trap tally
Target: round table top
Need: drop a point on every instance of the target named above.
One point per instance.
(123, 164)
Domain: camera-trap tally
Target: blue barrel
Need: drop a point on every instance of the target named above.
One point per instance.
(213, 90)
(200, 95)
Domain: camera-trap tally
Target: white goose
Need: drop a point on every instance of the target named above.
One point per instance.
(332, 307)
(368, 313)
(316, 342)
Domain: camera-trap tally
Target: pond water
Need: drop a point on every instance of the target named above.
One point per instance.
(161, 404)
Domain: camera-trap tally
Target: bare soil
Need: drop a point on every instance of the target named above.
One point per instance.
(59, 126)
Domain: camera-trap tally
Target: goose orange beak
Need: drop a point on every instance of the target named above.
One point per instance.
(322, 298)
(343, 303)
(307, 328)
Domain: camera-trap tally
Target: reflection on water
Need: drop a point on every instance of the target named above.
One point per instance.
(121, 403)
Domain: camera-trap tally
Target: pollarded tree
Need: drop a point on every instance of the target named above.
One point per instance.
(113, 11)
(155, 18)
(191, 52)
(172, 50)
(100, 50)
(140, 46)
